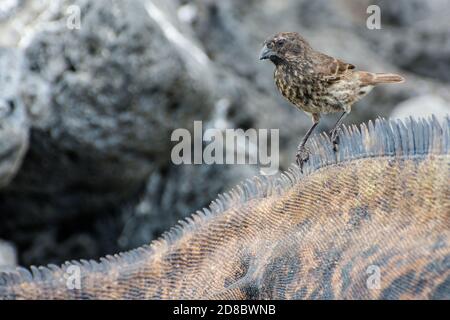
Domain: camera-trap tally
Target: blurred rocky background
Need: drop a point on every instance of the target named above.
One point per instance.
(86, 114)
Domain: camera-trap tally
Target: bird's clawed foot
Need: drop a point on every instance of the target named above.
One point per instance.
(302, 156)
(334, 136)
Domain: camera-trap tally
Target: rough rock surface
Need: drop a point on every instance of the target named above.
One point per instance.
(419, 41)
(14, 126)
(115, 89)
(118, 89)
(423, 107)
(8, 256)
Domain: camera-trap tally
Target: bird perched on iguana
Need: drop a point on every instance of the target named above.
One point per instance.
(316, 83)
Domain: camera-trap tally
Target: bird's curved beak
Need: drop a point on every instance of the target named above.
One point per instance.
(266, 53)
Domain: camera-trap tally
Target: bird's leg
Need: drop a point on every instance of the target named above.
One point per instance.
(302, 151)
(334, 133)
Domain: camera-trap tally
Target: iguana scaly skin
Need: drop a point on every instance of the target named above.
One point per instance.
(379, 209)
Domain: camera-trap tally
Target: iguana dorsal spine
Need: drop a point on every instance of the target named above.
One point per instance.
(382, 203)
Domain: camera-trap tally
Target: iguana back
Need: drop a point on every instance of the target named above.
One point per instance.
(372, 221)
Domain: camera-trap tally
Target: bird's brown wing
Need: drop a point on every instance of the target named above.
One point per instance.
(331, 69)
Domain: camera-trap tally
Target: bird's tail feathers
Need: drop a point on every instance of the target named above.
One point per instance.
(369, 78)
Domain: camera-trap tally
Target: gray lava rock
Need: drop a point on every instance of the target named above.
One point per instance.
(172, 195)
(403, 12)
(103, 101)
(8, 256)
(420, 40)
(14, 126)
(423, 107)
(118, 89)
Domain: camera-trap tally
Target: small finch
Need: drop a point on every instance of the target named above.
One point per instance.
(317, 83)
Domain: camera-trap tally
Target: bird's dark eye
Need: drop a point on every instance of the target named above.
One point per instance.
(280, 43)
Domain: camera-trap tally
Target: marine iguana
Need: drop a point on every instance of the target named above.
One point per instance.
(369, 222)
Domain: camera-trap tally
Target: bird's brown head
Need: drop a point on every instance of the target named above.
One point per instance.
(284, 47)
